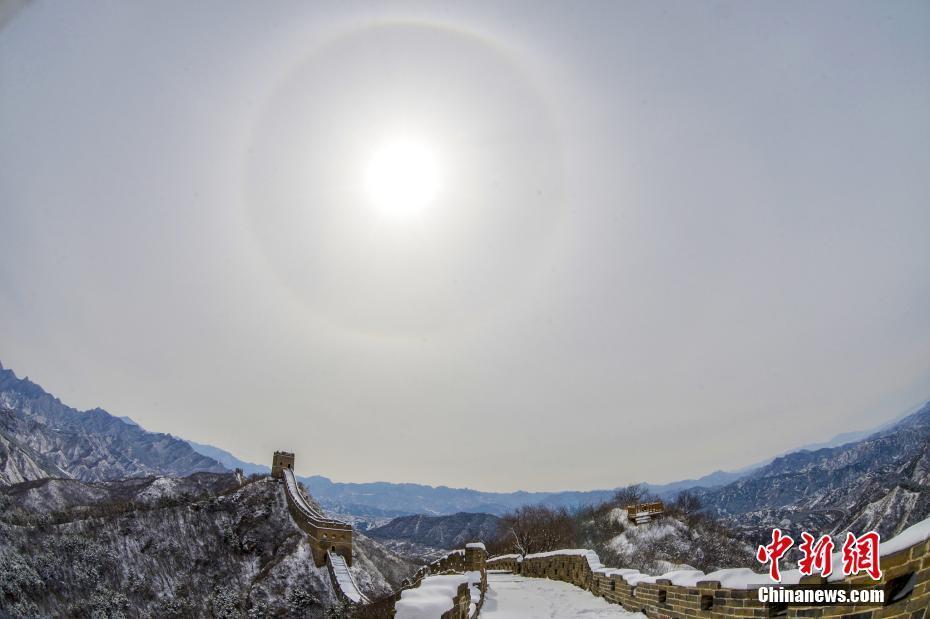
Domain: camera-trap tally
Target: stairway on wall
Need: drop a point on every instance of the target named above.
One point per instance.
(343, 580)
(344, 583)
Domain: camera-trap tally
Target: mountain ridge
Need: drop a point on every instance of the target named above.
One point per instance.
(42, 437)
(878, 483)
(210, 544)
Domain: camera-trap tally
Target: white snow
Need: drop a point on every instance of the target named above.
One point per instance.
(684, 578)
(619, 515)
(513, 597)
(302, 503)
(434, 596)
(476, 545)
(639, 536)
(737, 578)
(474, 588)
(344, 578)
(594, 562)
(740, 577)
(910, 536)
(159, 488)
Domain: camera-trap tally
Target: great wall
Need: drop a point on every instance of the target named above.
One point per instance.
(690, 594)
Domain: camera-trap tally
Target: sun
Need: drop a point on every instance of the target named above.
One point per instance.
(402, 177)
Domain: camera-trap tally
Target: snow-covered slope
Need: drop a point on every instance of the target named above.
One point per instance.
(515, 597)
(429, 537)
(881, 482)
(675, 541)
(161, 547)
(41, 437)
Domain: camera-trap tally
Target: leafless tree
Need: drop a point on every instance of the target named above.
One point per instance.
(630, 495)
(536, 528)
(687, 502)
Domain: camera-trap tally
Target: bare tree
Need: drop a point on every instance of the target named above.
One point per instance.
(536, 528)
(630, 495)
(687, 502)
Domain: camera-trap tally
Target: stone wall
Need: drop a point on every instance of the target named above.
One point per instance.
(456, 562)
(325, 534)
(460, 604)
(906, 572)
(322, 538)
(505, 563)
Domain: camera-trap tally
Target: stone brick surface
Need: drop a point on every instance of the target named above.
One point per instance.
(708, 600)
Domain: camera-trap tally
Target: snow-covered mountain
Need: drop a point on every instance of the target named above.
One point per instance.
(41, 437)
(681, 538)
(448, 532)
(228, 460)
(730, 493)
(206, 545)
(379, 502)
(379, 499)
(425, 538)
(881, 482)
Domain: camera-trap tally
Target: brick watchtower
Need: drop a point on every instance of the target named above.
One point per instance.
(327, 535)
(282, 460)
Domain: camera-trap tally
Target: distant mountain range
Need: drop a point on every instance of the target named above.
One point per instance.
(880, 482)
(381, 500)
(228, 460)
(448, 532)
(374, 502)
(857, 480)
(378, 500)
(425, 538)
(41, 437)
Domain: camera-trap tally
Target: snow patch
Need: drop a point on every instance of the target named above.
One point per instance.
(161, 487)
(731, 578)
(516, 597)
(594, 562)
(344, 578)
(434, 596)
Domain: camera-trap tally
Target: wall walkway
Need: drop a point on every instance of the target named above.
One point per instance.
(905, 563)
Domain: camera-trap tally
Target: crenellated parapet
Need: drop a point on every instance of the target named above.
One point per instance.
(468, 565)
(905, 563)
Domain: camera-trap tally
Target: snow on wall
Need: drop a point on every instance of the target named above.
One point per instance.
(594, 562)
(731, 578)
(305, 507)
(684, 591)
(344, 578)
(436, 595)
(431, 599)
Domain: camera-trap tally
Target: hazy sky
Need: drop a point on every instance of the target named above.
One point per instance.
(656, 239)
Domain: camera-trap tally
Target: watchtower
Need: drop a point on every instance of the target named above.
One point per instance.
(281, 460)
(641, 513)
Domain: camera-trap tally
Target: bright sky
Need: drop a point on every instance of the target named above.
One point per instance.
(498, 245)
